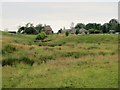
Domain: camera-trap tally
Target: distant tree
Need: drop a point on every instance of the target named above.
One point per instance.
(114, 24)
(79, 26)
(21, 29)
(52, 32)
(77, 31)
(98, 27)
(41, 36)
(60, 31)
(39, 28)
(89, 26)
(30, 29)
(118, 28)
(67, 33)
(97, 31)
(105, 28)
(91, 31)
(94, 26)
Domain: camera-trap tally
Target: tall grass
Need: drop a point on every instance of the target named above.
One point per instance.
(8, 49)
(12, 61)
(75, 61)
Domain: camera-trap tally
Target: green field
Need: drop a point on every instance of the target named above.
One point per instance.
(74, 61)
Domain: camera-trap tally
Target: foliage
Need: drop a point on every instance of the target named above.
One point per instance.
(77, 31)
(12, 61)
(93, 26)
(105, 28)
(41, 36)
(91, 31)
(8, 49)
(97, 31)
(80, 25)
(67, 33)
(30, 29)
(59, 31)
(113, 24)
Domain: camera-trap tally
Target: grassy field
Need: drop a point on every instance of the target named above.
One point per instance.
(74, 61)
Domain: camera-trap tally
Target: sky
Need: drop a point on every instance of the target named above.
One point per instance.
(57, 14)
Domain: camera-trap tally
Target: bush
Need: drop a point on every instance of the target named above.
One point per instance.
(8, 49)
(9, 61)
(67, 33)
(26, 60)
(77, 32)
(41, 36)
(13, 61)
(97, 31)
(91, 31)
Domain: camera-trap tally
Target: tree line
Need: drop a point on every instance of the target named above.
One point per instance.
(29, 28)
(113, 24)
(95, 28)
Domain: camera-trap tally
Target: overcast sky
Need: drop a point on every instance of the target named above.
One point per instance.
(56, 14)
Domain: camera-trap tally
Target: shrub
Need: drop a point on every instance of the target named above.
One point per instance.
(91, 31)
(13, 61)
(8, 49)
(41, 36)
(67, 33)
(77, 32)
(97, 31)
(26, 60)
(9, 61)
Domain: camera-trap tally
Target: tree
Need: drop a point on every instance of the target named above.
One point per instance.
(41, 36)
(30, 29)
(79, 26)
(97, 31)
(89, 26)
(118, 28)
(20, 29)
(114, 24)
(91, 31)
(67, 33)
(105, 27)
(94, 26)
(60, 31)
(39, 28)
(77, 32)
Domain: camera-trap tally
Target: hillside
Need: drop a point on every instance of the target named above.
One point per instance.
(82, 61)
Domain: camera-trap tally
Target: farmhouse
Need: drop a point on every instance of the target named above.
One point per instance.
(72, 31)
(48, 29)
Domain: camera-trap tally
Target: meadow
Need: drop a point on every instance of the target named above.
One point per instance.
(74, 61)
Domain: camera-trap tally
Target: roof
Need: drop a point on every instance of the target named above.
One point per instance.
(47, 27)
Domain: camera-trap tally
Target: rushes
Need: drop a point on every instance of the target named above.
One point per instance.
(12, 61)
